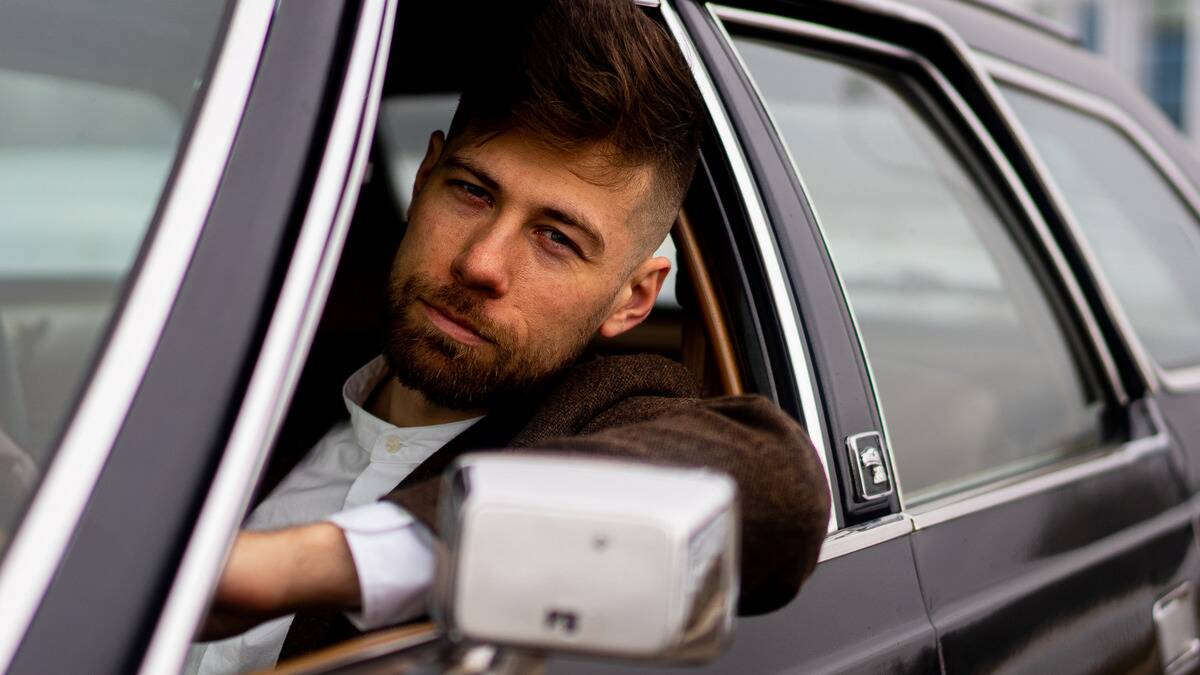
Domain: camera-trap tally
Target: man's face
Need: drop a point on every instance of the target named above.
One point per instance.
(515, 256)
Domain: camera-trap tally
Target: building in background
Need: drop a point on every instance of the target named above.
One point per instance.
(1152, 42)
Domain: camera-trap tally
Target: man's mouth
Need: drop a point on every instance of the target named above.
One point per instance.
(455, 327)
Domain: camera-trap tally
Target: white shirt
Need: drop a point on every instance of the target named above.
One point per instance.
(341, 480)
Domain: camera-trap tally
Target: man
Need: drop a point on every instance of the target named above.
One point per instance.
(531, 230)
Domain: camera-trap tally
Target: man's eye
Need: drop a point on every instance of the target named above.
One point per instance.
(559, 240)
(473, 191)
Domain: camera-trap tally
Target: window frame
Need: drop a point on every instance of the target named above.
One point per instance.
(292, 326)
(44, 533)
(1058, 92)
(801, 367)
(1064, 285)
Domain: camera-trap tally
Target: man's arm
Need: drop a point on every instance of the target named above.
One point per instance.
(373, 562)
(782, 490)
(272, 574)
(783, 494)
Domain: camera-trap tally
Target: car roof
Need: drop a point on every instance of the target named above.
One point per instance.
(1027, 40)
(1028, 19)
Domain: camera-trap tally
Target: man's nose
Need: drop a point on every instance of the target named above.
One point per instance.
(482, 265)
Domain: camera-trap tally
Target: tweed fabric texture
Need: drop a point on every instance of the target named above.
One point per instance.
(647, 408)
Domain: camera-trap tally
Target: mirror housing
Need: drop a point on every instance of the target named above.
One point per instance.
(588, 556)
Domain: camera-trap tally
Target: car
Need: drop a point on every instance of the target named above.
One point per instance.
(956, 246)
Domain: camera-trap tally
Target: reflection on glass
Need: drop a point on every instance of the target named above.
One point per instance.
(1145, 238)
(973, 373)
(92, 108)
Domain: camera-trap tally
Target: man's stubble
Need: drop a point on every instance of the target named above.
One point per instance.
(471, 377)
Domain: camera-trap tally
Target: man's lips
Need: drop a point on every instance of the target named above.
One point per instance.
(455, 328)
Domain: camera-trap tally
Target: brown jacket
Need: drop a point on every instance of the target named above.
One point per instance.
(647, 408)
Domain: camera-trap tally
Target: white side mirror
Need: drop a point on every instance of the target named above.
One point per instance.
(590, 556)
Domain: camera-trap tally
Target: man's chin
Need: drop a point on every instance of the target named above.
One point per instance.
(463, 377)
(438, 369)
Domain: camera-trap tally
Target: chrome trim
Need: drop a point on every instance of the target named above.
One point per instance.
(865, 43)
(857, 467)
(289, 336)
(764, 238)
(1024, 16)
(1016, 187)
(857, 538)
(1176, 379)
(46, 531)
(1073, 563)
(1020, 487)
(1168, 623)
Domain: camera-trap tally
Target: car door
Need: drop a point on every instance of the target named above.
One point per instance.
(1132, 214)
(101, 118)
(229, 246)
(1051, 522)
(825, 629)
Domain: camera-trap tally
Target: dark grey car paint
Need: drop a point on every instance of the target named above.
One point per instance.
(1060, 581)
(136, 523)
(1063, 580)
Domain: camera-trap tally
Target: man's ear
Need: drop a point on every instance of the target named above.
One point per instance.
(637, 297)
(437, 143)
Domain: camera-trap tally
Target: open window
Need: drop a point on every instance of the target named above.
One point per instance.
(705, 318)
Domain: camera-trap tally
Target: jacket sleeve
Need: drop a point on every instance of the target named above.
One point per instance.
(644, 408)
(783, 494)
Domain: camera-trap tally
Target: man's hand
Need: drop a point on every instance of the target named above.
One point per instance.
(272, 574)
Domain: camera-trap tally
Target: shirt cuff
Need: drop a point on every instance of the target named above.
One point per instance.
(394, 560)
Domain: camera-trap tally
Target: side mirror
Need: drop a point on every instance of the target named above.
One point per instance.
(588, 556)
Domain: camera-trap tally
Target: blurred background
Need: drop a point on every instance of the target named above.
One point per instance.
(1151, 42)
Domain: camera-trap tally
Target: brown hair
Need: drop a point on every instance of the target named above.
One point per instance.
(581, 74)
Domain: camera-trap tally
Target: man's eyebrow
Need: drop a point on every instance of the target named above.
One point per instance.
(573, 220)
(460, 162)
(577, 222)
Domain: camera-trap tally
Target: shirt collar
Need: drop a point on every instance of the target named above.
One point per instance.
(384, 441)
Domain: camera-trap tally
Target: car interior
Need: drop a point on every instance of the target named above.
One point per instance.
(689, 323)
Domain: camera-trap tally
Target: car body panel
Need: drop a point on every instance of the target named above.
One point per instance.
(147, 499)
(1054, 570)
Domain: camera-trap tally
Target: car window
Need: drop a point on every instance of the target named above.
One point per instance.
(92, 109)
(971, 366)
(1144, 237)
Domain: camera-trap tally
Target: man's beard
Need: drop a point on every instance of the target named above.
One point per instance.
(467, 377)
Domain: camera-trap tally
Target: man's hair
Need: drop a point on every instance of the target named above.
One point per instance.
(590, 74)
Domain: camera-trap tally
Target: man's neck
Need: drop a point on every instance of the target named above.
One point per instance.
(403, 407)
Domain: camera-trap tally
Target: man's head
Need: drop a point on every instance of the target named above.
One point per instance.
(533, 223)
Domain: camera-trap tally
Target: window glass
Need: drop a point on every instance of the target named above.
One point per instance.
(974, 375)
(1144, 237)
(92, 105)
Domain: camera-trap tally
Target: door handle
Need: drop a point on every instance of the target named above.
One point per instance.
(1175, 623)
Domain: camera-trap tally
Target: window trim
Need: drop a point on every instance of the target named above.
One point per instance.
(45, 532)
(1020, 485)
(289, 335)
(1178, 380)
(768, 252)
(1074, 294)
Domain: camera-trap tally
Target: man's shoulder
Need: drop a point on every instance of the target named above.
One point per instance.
(625, 375)
(635, 386)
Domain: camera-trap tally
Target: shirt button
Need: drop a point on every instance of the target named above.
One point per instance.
(393, 444)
